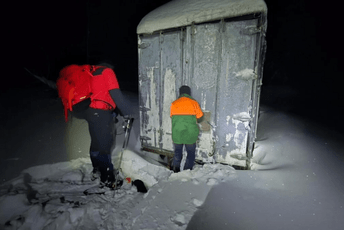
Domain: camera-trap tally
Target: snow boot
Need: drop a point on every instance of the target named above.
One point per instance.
(95, 174)
(103, 174)
(112, 182)
(176, 169)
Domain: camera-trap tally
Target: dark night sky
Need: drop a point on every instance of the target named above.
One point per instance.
(304, 45)
(47, 35)
(303, 40)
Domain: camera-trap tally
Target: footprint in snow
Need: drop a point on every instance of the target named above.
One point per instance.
(211, 181)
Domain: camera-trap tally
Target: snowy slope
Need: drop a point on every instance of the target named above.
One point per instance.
(51, 197)
(295, 184)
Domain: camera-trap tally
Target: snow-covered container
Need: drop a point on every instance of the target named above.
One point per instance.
(216, 47)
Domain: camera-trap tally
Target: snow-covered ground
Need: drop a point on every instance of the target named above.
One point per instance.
(296, 183)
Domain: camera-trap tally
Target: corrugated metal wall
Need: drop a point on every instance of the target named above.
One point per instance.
(219, 61)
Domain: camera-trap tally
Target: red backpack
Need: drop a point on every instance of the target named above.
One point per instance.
(74, 85)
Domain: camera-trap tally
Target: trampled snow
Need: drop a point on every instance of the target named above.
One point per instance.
(296, 183)
(51, 196)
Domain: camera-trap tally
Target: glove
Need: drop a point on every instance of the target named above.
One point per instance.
(127, 118)
(128, 121)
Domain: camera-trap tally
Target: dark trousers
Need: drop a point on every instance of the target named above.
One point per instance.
(100, 124)
(178, 154)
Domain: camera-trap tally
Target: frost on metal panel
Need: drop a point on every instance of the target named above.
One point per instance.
(185, 12)
(234, 149)
(169, 97)
(152, 114)
(243, 116)
(205, 146)
(218, 60)
(149, 91)
(246, 74)
(205, 143)
(170, 53)
(159, 63)
(206, 58)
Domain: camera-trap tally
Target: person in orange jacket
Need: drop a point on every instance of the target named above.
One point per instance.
(92, 92)
(185, 112)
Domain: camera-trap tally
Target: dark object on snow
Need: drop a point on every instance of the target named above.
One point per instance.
(176, 169)
(140, 186)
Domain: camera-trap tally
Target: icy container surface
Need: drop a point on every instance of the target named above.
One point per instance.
(185, 12)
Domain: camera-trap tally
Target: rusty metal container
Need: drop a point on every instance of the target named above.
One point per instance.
(216, 47)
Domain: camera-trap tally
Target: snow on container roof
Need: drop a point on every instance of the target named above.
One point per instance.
(184, 12)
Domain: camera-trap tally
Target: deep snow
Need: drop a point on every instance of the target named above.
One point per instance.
(295, 183)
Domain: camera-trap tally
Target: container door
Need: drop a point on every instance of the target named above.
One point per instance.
(159, 81)
(170, 52)
(202, 46)
(234, 98)
(149, 96)
(219, 62)
(220, 67)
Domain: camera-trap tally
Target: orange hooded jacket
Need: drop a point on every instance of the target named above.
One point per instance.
(184, 113)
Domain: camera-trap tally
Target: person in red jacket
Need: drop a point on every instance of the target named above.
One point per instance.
(92, 92)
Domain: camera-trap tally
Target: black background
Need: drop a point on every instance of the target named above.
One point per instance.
(304, 47)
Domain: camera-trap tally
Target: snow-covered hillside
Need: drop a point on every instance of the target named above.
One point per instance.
(295, 184)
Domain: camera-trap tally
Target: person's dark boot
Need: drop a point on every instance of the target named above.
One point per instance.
(111, 176)
(95, 174)
(112, 183)
(103, 174)
(176, 169)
